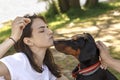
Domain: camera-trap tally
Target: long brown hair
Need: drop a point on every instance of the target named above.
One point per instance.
(20, 46)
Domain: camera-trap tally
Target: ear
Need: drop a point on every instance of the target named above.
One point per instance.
(27, 41)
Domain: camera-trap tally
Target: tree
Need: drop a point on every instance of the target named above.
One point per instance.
(91, 3)
(74, 3)
(65, 5)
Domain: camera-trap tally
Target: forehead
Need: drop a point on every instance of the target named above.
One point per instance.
(38, 23)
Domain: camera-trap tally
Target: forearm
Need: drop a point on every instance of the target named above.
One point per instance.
(115, 64)
(5, 46)
(17, 28)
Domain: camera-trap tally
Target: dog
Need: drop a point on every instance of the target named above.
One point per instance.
(83, 48)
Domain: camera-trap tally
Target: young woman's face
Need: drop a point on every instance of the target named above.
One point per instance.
(42, 36)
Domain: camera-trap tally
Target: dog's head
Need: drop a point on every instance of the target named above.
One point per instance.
(82, 46)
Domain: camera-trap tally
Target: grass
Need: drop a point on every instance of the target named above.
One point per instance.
(84, 15)
(5, 32)
(76, 16)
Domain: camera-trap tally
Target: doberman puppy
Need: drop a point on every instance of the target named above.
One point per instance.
(83, 47)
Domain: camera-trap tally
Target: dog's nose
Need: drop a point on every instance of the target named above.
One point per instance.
(55, 42)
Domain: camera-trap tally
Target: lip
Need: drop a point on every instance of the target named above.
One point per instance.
(51, 37)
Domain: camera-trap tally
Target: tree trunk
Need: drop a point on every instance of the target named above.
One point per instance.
(64, 5)
(91, 3)
(74, 3)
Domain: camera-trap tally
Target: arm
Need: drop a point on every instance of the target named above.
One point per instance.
(5, 46)
(62, 78)
(3, 70)
(106, 58)
(17, 28)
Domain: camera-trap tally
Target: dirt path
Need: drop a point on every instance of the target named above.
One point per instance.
(105, 28)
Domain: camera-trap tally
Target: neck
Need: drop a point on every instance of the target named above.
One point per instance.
(38, 55)
(88, 63)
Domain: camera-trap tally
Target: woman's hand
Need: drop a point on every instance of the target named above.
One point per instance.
(106, 58)
(104, 54)
(17, 27)
(103, 64)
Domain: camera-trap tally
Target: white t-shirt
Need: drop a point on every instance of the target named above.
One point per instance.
(20, 69)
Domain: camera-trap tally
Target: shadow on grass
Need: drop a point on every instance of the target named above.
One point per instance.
(102, 8)
(83, 15)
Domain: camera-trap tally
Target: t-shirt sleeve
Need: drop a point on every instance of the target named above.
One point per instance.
(2, 78)
(12, 63)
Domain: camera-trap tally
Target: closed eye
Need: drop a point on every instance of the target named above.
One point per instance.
(41, 31)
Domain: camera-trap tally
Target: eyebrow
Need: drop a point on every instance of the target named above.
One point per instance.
(41, 27)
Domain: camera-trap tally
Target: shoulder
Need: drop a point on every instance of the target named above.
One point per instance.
(19, 56)
(13, 63)
(15, 59)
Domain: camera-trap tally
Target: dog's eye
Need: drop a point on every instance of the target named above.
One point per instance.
(76, 43)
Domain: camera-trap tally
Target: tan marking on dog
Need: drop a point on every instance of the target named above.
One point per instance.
(73, 52)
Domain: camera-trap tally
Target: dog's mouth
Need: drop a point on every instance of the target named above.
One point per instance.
(59, 46)
(65, 47)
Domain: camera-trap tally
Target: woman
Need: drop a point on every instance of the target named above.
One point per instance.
(33, 60)
(106, 58)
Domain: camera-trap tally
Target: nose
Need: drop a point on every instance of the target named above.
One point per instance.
(50, 31)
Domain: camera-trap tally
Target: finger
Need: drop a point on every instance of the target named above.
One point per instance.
(22, 26)
(27, 20)
(22, 19)
(100, 45)
(22, 23)
(100, 59)
(103, 45)
(103, 66)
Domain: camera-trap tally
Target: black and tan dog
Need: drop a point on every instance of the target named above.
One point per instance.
(83, 47)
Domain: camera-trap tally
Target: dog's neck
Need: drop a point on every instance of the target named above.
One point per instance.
(86, 71)
(87, 63)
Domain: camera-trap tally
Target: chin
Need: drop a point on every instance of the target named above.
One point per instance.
(50, 44)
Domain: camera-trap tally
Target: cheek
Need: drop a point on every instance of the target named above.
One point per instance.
(44, 41)
(40, 40)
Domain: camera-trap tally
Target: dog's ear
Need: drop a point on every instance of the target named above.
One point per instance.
(79, 39)
(89, 50)
(89, 37)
